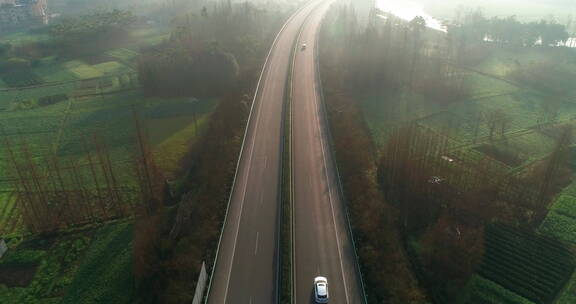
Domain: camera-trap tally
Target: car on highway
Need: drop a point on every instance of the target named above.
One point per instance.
(303, 46)
(321, 290)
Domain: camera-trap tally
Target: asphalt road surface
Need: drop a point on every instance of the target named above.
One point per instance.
(322, 244)
(247, 263)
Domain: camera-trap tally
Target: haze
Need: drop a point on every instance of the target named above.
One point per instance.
(288, 152)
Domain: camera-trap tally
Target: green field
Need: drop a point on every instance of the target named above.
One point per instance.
(491, 88)
(527, 264)
(91, 97)
(73, 267)
(561, 220)
(38, 270)
(64, 128)
(123, 54)
(568, 296)
(108, 259)
(481, 290)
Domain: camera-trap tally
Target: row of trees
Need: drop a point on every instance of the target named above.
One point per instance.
(54, 194)
(95, 26)
(170, 244)
(224, 47)
(474, 27)
(446, 198)
(392, 56)
(207, 51)
(357, 63)
(443, 195)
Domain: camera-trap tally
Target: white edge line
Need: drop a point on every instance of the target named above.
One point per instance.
(328, 181)
(339, 181)
(256, 248)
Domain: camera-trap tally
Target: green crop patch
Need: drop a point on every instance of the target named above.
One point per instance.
(530, 265)
(54, 73)
(481, 290)
(82, 70)
(105, 275)
(111, 67)
(559, 226)
(566, 205)
(123, 54)
(21, 78)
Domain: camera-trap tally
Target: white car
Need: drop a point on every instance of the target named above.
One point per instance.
(321, 290)
(303, 46)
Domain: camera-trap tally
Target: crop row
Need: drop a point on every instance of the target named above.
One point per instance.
(528, 264)
(544, 243)
(480, 290)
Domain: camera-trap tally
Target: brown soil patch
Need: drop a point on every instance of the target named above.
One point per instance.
(505, 157)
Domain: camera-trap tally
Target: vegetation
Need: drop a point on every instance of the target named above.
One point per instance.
(108, 259)
(168, 248)
(80, 35)
(481, 290)
(514, 255)
(373, 219)
(561, 220)
(39, 269)
(466, 131)
(88, 91)
(474, 27)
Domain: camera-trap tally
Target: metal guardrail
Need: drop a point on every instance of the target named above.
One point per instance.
(334, 162)
(200, 285)
(256, 94)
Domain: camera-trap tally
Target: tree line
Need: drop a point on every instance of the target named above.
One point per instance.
(474, 27)
(418, 201)
(172, 241)
(207, 51)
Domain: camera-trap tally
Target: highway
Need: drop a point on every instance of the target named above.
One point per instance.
(322, 243)
(246, 269)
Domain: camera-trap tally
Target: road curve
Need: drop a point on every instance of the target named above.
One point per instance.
(322, 243)
(246, 269)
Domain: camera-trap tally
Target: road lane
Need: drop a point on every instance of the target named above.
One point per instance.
(322, 243)
(246, 269)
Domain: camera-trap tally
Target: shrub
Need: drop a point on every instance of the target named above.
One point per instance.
(23, 257)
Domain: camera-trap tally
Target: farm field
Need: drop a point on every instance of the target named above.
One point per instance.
(519, 267)
(170, 124)
(530, 265)
(568, 296)
(491, 88)
(481, 290)
(42, 270)
(561, 224)
(108, 259)
(59, 104)
(561, 220)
